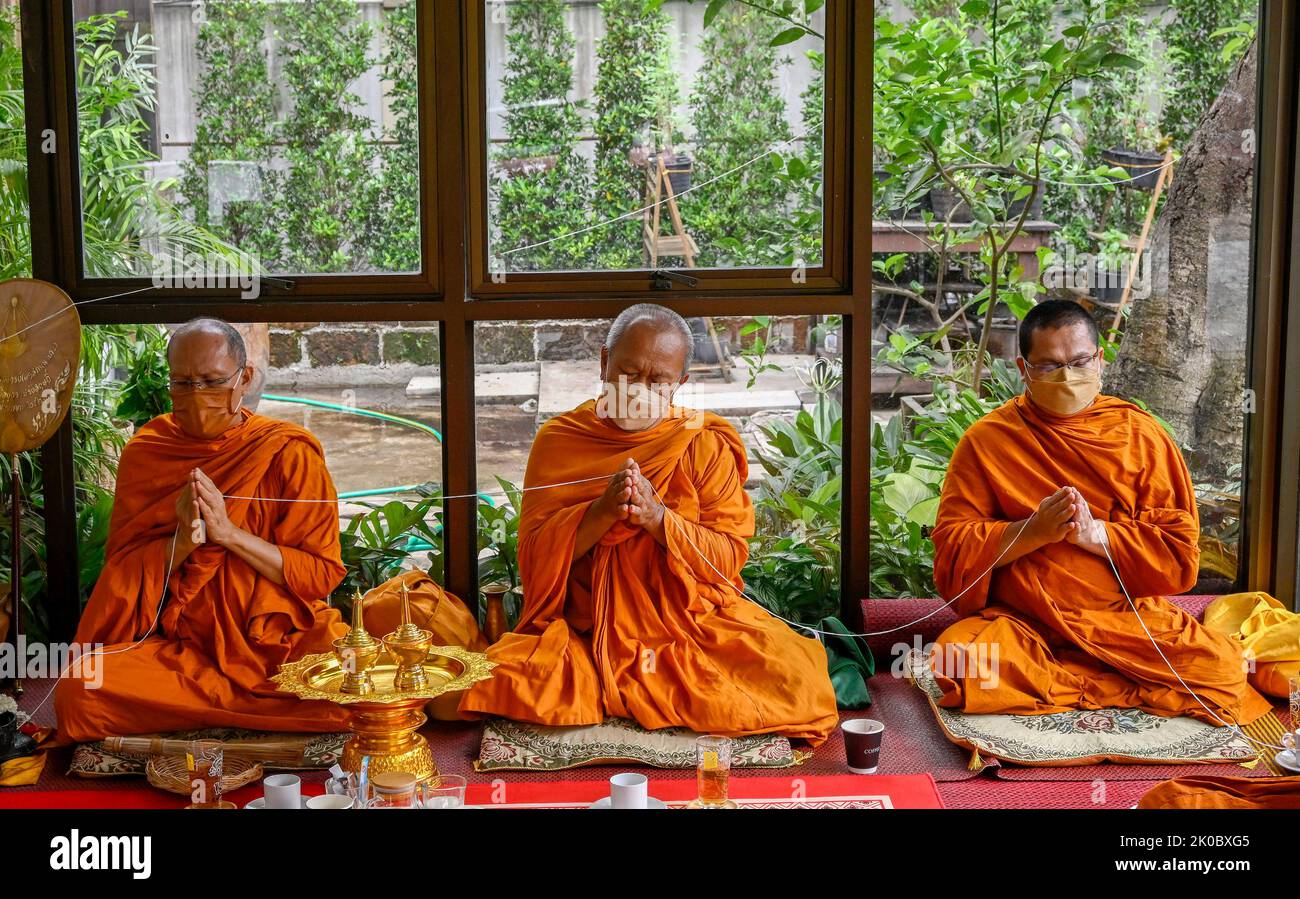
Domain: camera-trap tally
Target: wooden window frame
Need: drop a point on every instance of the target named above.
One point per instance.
(453, 202)
(451, 206)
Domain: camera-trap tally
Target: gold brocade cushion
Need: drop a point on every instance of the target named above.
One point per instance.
(521, 746)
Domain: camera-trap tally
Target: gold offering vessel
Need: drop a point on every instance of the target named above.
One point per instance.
(385, 685)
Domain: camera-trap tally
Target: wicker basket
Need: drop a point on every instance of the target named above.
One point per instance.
(168, 772)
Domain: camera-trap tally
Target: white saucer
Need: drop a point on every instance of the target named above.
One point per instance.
(1286, 759)
(260, 802)
(651, 802)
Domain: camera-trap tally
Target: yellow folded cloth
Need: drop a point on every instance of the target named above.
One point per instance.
(26, 770)
(1268, 632)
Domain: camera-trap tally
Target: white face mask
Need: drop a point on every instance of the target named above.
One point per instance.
(633, 407)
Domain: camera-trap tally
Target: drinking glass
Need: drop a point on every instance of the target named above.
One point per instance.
(712, 770)
(203, 760)
(447, 791)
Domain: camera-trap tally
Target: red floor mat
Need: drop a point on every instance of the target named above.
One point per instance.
(991, 792)
(842, 791)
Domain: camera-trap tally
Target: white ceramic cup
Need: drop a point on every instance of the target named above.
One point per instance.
(628, 791)
(282, 791)
(329, 801)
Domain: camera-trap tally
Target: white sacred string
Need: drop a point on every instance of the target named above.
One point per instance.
(1236, 727)
(58, 312)
(635, 212)
(1105, 545)
(801, 626)
(103, 652)
(272, 499)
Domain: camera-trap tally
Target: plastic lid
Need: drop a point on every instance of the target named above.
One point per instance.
(393, 781)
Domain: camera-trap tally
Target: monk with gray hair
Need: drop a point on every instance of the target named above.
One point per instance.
(632, 603)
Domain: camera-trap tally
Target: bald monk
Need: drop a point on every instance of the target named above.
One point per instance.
(631, 605)
(1040, 489)
(245, 581)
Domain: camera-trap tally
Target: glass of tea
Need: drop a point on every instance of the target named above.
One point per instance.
(712, 771)
(1294, 685)
(203, 760)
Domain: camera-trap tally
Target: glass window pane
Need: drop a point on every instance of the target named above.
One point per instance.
(367, 391)
(15, 236)
(236, 136)
(1151, 158)
(622, 137)
(785, 404)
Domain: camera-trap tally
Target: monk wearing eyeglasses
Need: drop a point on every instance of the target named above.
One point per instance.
(245, 579)
(1048, 489)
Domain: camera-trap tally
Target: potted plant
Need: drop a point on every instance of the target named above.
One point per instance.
(887, 199)
(1140, 162)
(1110, 266)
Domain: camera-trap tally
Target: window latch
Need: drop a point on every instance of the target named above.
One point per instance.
(664, 280)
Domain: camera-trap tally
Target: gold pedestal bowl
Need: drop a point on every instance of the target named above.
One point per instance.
(385, 690)
(384, 721)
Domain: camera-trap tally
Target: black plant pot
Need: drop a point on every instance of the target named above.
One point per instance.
(1108, 286)
(1140, 166)
(898, 213)
(704, 351)
(1015, 207)
(679, 171)
(943, 200)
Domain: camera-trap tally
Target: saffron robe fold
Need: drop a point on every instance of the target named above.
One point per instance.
(224, 628)
(1204, 791)
(1053, 626)
(432, 608)
(638, 630)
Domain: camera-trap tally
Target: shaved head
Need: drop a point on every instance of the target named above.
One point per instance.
(211, 327)
(654, 317)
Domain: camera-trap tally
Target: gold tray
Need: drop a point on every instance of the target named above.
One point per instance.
(320, 676)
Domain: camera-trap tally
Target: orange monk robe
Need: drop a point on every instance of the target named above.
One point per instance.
(224, 628)
(1224, 792)
(432, 608)
(1053, 625)
(637, 630)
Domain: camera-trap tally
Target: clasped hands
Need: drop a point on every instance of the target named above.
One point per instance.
(201, 511)
(629, 497)
(1065, 516)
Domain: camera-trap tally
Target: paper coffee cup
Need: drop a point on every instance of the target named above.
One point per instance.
(862, 739)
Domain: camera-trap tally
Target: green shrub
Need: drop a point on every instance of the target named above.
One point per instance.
(550, 196)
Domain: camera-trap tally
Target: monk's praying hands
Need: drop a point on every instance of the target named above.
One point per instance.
(187, 509)
(610, 507)
(644, 509)
(1052, 521)
(1086, 532)
(212, 506)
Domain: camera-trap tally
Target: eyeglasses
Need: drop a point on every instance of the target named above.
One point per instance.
(1047, 368)
(202, 385)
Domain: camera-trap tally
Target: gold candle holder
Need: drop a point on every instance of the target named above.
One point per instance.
(357, 652)
(409, 645)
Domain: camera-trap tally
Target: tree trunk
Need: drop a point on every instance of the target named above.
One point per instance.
(1183, 351)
